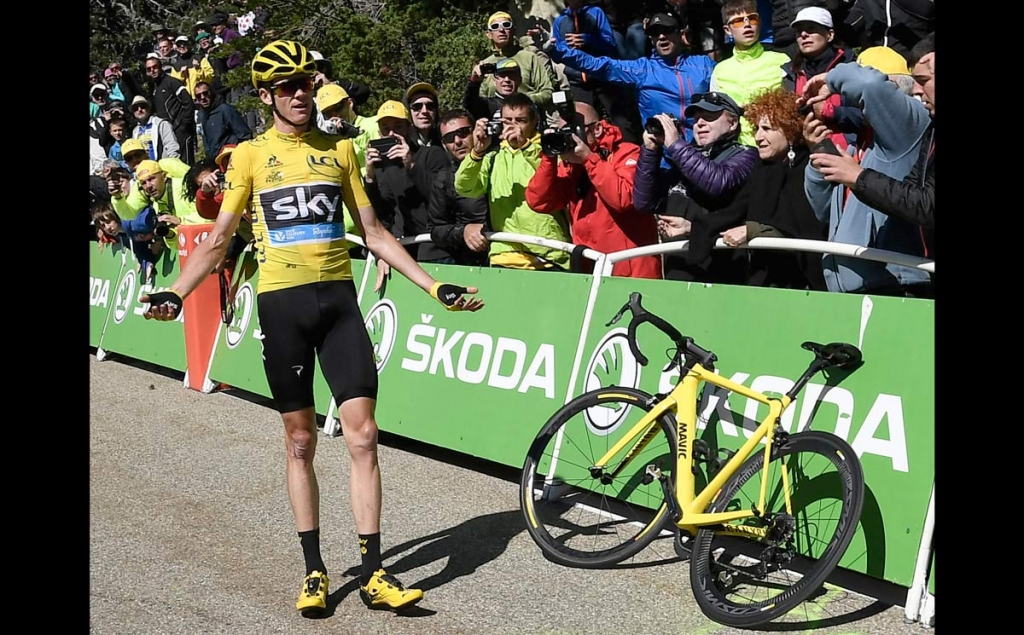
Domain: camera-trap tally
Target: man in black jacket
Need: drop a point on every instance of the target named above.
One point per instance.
(172, 102)
(221, 122)
(399, 181)
(913, 198)
(456, 222)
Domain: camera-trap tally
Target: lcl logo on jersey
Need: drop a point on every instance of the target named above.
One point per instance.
(125, 296)
(382, 326)
(611, 364)
(235, 331)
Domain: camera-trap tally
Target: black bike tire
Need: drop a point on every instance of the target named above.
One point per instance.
(716, 606)
(555, 550)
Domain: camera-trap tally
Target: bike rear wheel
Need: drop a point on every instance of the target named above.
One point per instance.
(744, 582)
(576, 519)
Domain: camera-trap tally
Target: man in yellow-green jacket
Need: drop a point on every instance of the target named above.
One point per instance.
(160, 186)
(504, 175)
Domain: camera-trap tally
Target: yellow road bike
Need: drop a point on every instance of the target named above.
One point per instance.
(616, 466)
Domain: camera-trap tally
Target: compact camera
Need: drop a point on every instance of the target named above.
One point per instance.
(493, 128)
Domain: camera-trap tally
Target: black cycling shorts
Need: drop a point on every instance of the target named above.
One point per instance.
(322, 317)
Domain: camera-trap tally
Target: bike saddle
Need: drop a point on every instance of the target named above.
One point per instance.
(837, 354)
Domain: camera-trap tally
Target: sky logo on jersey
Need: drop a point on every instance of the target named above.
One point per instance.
(308, 213)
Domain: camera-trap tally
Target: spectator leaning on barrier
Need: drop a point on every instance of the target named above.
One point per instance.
(771, 204)
(400, 182)
(898, 125)
(504, 175)
(751, 69)
(537, 82)
(155, 133)
(161, 187)
(220, 121)
(457, 222)
(136, 233)
(704, 176)
(593, 182)
(911, 199)
(421, 99)
(665, 81)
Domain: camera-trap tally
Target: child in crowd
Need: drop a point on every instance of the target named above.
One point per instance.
(137, 234)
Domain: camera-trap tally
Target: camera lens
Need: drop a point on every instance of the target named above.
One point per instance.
(653, 126)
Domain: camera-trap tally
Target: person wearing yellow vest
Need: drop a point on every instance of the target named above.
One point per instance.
(163, 189)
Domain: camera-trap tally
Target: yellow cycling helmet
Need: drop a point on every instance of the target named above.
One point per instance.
(330, 95)
(279, 60)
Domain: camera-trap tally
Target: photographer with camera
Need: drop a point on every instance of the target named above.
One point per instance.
(507, 77)
(204, 184)
(503, 176)
(703, 176)
(399, 179)
(219, 121)
(165, 193)
(336, 114)
(593, 182)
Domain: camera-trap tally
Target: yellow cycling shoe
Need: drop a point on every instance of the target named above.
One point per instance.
(384, 591)
(313, 596)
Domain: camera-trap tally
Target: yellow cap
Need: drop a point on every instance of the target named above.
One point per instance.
(131, 145)
(330, 95)
(884, 60)
(420, 87)
(392, 108)
(500, 15)
(147, 168)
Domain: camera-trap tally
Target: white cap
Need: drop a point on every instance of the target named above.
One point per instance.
(817, 15)
(95, 87)
(181, 38)
(316, 55)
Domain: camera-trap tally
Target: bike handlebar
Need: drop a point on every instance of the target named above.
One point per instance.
(684, 344)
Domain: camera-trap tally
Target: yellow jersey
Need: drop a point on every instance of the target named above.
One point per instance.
(295, 187)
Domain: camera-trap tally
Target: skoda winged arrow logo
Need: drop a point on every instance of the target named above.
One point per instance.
(125, 296)
(235, 331)
(382, 326)
(612, 364)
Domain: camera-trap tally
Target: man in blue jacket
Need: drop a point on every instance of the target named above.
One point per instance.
(665, 82)
(892, 147)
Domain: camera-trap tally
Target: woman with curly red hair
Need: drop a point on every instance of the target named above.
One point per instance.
(771, 204)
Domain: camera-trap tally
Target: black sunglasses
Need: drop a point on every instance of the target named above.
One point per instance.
(289, 87)
(656, 31)
(459, 133)
(420, 105)
(203, 94)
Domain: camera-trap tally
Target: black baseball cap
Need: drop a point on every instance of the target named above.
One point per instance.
(663, 20)
(713, 102)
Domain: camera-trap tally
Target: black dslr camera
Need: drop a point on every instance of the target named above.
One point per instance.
(560, 141)
(654, 127)
(164, 230)
(347, 130)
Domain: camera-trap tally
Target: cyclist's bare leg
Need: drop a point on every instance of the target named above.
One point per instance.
(300, 444)
(359, 428)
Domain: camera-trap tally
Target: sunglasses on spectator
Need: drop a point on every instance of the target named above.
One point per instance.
(420, 105)
(460, 133)
(138, 107)
(203, 95)
(504, 25)
(657, 31)
(739, 21)
(289, 87)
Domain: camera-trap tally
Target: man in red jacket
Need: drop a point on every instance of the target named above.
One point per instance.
(594, 182)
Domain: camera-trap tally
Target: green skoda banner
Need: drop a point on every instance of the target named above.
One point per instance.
(104, 274)
(126, 331)
(484, 383)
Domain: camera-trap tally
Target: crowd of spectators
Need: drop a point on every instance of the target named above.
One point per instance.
(616, 125)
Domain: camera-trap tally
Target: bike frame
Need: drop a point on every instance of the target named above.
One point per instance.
(682, 402)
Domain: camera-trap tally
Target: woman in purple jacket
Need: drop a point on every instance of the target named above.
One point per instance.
(703, 176)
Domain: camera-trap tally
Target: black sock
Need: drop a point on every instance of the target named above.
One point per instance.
(369, 547)
(310, 541)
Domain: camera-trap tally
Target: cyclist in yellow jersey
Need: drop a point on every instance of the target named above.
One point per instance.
(295, 180)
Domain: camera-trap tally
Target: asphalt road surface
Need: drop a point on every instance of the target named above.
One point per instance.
(191, 533)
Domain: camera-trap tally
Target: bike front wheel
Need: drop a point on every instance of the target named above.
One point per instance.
(580, 519)
(744, 582)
